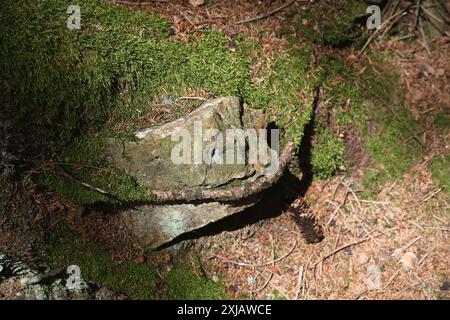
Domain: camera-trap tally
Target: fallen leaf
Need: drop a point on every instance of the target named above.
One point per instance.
(139, 260)
(409, 261)
(428, 69)
(196, 3)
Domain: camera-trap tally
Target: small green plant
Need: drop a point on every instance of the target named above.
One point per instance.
(182, 283)
(333, 25)
(375, 108)
(442, 120)
(440, 169)
(327, 154)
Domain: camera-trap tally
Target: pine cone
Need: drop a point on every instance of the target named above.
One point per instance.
(303, 217)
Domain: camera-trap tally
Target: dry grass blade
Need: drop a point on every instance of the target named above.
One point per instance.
(263, 16)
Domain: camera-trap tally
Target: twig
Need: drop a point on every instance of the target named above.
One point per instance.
(191, 98)
(263, 286)
(337, 187)
(338, 237)
(299, 281)
(374, 202)
(397, 253)
(273, 249)
(427, 47)
(243, 264)
(391, 279)
(431, 15)
(253, 284)
(416, 22)
(438, 228)
(340, 249)
(280, 291)
(440, 219)
(338, 207)
(428, 197)
(60, 170)
(138, 3)
(263, 16)
(390, 26)
(359, 296)
(356, 198)
(378, 31)
(422, 260)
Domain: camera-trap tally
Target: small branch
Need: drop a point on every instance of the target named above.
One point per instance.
(416, 22)
(340, 249)
(243, 264)
(60, 171)
(427, 47)
(399, 252)
(191, 98)
(299, 281)
(401, 14)
(428, 197)
(263, 16)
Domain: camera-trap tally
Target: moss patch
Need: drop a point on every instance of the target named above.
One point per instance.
(327, 155)
(373, 103)
(138, 281)
(78, 86)
(332, 24)
(182, 283)
(440, 170)
(442, 120)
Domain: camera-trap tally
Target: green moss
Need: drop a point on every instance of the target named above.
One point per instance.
(66, 248)
(442, 120)
(138, 281)
(77, 86)
(182, 283)
(440, 170)
(390, 148)
(332, 24)
(327, 154)
(376, 110)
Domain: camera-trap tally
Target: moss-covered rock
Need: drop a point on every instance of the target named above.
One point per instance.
(79, 87)
(218, 145)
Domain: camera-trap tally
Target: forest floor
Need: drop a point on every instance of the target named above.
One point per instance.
(389, 244)
(393, 245)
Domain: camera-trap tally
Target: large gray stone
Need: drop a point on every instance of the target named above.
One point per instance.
(149, 160)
